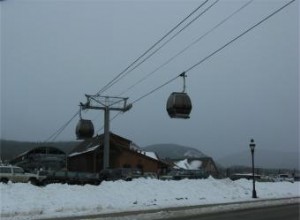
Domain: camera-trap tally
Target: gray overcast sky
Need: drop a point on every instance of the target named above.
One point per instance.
(54, 52)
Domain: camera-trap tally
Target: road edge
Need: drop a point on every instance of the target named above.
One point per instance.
(187, 211)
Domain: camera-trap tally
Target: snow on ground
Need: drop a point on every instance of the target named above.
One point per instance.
(21, 201)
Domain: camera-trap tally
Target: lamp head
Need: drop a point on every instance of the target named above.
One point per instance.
(252, 145)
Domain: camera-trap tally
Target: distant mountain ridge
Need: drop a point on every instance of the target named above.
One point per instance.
(174, 151)
(263, 159)
(10, 149)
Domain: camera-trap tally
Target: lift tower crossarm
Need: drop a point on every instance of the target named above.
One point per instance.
(107, 104)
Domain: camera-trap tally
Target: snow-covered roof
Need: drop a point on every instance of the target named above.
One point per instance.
(134, 146)
(83, 152)
(151, 154)
(184, 164)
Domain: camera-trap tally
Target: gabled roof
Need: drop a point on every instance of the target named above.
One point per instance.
(152, 155)
(85, 151)
(92, 144)
(96, 142)
(41, 150)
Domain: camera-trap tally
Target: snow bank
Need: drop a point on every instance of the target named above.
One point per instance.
(19, 201)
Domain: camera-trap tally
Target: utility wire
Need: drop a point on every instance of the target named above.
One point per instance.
(60, 130)
(239, 36)
(182, 51)
(186, 48)
(169, 32)
(216, 51)
(154, 90)
(110, 120)
(147, 94)
(108, 85)
(127, 71)
(155, 51)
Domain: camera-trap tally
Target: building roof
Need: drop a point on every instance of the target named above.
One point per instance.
(95, 143)
(186, 165)
(151, 154)
(188, 161)
(40, 150)
(41, 157)
(85, 151)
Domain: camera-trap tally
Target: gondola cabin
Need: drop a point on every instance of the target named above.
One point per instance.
(84, 129)
(179, 105)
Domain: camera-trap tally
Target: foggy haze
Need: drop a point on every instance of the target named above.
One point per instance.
(54, 52)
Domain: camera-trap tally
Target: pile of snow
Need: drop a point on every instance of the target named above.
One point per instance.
(184, 164)
(21, 201)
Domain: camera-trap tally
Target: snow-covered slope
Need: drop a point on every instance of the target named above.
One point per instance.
(25, 201)
(174, 151)
(184, 164)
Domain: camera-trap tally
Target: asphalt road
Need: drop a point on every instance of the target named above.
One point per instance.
(261, 210)
(283, 212)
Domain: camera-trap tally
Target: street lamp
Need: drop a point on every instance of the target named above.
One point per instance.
(252, 146)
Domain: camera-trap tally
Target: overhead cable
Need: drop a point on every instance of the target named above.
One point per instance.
(156, 50)
(108, 85)
(54, 136)
(239, 36)
(154, 90)
(216, 51)
(109, 121)
(187, 47)
(148, 50)
(60, 130)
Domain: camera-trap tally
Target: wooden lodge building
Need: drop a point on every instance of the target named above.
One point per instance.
(88, 156)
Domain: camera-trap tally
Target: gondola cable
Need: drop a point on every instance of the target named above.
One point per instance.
(161, 46)
(210, 55)
(215, 52)
(110, 120)
(240, 35)
(59, 131)
(185, 49)
(189, 69)
(109, 84)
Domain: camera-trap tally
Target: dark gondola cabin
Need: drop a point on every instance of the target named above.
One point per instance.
(84, 129)
(179, 105)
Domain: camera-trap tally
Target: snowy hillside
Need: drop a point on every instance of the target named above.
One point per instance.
(184, 164)
(174, 151)
(25, 201)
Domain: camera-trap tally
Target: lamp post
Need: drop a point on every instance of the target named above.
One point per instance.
(252, 146)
